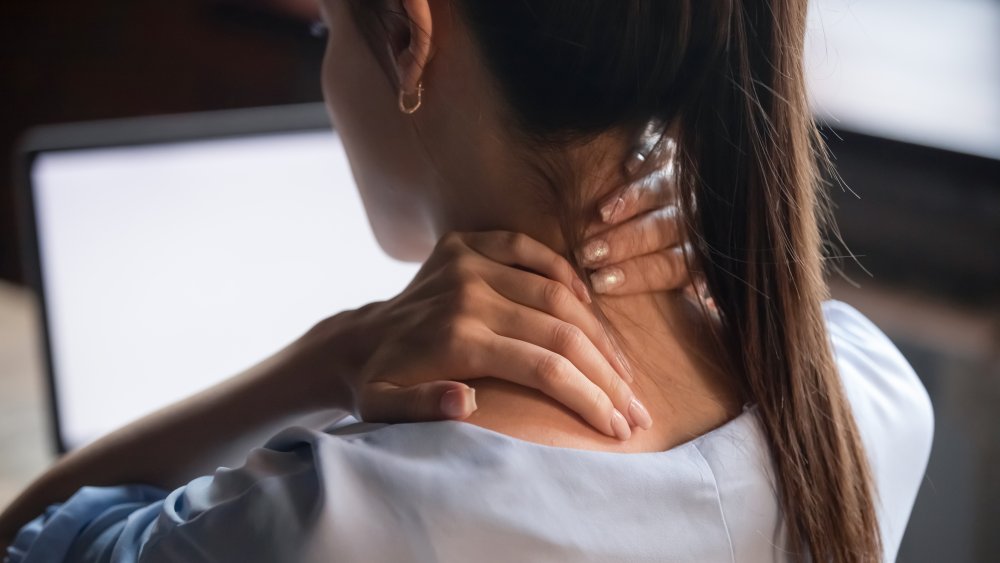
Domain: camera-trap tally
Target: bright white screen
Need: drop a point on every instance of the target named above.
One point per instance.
(168, 268)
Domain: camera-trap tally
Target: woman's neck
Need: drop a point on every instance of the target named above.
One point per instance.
(685, 392)
(488, 188)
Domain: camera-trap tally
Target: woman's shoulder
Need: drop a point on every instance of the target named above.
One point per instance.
(471, 492)
(876, 376)
(892, 410)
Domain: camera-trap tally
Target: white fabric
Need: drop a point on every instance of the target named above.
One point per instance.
(453, 492)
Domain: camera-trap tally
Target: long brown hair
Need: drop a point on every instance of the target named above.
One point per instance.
(728, 74)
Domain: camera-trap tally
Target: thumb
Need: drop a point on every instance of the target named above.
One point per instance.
(436, 400)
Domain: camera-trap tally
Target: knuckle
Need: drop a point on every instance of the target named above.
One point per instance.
(555, 296)
(452, 239)
(514, 242)
(421, 396)
(617, 387)
(553, 372)
(454, 336)
(465, 297)
(452, 330)
(599, 401)
(567, 338)
(452, 245)
(513, 238)
(463, 270)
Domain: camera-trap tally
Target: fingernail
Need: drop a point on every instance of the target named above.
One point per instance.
(595, 251)
(451, 402)
(634, 163)
(611, 210)
(581, 290)
(620, 426)
(639, 414)
(606, 279)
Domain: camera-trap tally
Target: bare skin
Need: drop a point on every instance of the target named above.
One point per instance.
(686, 399)
(444, 169)
(456, 140)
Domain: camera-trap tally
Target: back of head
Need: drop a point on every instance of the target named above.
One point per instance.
(727, 77)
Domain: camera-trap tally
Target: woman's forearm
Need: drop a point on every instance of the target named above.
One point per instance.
(195, 436)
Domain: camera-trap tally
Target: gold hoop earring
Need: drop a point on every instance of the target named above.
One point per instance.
(410, 110)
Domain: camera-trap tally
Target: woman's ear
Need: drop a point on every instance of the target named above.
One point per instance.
(410, 39)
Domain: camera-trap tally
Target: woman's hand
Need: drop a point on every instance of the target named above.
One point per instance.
(493, 304)
(636, 245)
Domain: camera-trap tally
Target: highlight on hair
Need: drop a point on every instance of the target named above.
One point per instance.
(727, 75)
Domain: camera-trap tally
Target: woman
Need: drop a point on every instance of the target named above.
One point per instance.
(785, 428)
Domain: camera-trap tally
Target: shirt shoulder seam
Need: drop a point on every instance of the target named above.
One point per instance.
(718, 500)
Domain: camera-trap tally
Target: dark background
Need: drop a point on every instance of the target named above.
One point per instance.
(924, 211)
(924, 222)
(75, 61)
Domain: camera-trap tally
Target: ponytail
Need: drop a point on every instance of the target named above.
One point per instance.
(750, 153)
(728, 74)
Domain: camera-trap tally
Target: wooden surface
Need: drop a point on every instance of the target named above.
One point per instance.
(25, 447)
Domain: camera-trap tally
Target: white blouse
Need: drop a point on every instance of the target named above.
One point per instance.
(450, 491)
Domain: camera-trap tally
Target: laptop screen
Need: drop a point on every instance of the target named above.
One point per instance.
(168, 267)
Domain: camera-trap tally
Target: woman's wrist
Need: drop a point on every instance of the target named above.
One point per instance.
(329, 356)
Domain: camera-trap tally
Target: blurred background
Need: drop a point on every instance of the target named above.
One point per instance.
(908, 92)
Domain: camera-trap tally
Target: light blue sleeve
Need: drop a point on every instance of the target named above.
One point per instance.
(95, 524)
(262, 511)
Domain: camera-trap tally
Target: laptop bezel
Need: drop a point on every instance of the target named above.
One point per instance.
(128, 132)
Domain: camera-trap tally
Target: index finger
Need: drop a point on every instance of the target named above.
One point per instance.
(652, 191)
(653, 231)
(517, 249)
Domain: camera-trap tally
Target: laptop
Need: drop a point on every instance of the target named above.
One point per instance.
(170, 253)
